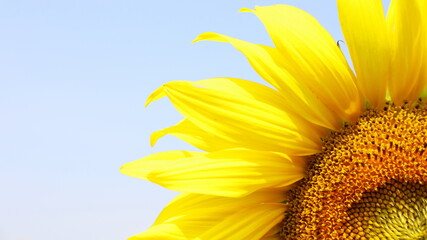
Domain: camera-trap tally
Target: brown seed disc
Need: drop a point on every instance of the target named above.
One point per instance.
(358, 168)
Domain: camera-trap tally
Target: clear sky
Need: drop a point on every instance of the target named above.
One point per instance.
(74, 76)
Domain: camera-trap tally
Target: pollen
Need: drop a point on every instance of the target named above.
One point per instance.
(368, 182)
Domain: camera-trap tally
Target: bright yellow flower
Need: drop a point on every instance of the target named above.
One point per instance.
(326, 154)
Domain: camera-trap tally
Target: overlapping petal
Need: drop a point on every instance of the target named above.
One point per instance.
(274, 233)
(235, 189)
(406, 22)
(245, 112)
(150, 162)
(364, 28)
(267, 62)
(311, 55)
(250, 223)
(190, 216)
(196, 136)
(231, 173)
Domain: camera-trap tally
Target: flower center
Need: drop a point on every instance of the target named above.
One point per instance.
(394, 211)
(369, 181)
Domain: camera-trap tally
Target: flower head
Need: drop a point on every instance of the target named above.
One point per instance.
(327, 153)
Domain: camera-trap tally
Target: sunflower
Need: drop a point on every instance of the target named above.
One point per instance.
(325, 153)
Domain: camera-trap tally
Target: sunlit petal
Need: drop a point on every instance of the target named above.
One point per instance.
(298, 98)
(364, 28)
(220, 106)
(311, 55)
(407, 32)
(231, 173)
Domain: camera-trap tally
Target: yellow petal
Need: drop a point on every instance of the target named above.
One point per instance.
(407, 34)
(249, 224)
(212, 209)
(364, 28)
(246, 112)
(272, 237)
(266, 61)
(196, 136)
(231, 173)
(141, 168)
(311, 55)
(423, 94)
(167, 231)
(274, 233)
(190, 215)
(156, 95)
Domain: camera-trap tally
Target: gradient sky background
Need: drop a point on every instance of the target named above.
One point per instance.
(74, 76)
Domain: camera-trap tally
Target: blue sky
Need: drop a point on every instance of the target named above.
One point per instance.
(74, 76)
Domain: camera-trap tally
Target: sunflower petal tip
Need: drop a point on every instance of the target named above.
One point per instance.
(207, 36)
(155, 136)
(197, 39)
(201, 37)
(123, 169)
(157, 94)
(246, 10)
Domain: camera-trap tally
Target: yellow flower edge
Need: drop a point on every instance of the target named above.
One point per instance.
(257, 141)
